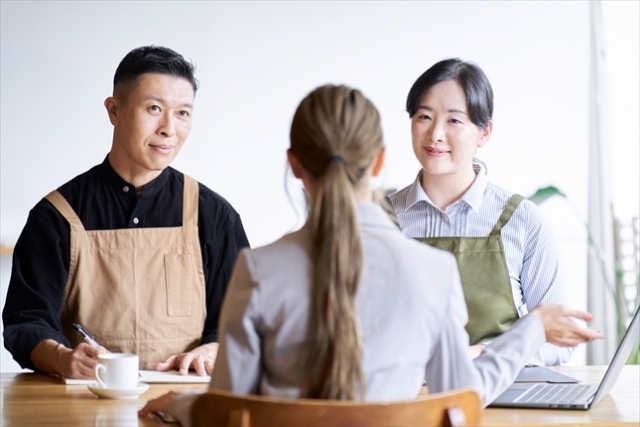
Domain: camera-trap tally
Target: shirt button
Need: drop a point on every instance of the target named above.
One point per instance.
(135, 220)
(125, 189)
(446, 219)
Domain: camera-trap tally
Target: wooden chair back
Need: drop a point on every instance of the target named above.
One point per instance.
(219, 408)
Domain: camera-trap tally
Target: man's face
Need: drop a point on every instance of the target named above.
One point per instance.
(151, 120)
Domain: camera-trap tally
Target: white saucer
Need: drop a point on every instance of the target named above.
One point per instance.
(113, 393)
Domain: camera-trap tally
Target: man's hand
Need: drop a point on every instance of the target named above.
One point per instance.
(53, 357)
(475, 350)
(160, 404)
(200, 359)
(561, 329)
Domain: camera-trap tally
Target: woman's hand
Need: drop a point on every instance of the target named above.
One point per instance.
(475, 350)
(160, 404)
(561, 329)
(200, 359)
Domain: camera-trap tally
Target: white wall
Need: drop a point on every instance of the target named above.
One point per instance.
(257, 60)
(622, 40)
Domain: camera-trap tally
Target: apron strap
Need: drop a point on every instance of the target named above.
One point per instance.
(190, 202)
(60, 203)
(385, 203)
(514, 201)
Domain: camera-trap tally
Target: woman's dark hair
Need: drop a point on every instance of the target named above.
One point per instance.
(153, 59)
(474, 82)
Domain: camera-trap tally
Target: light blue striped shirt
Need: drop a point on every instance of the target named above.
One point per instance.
(530, 250)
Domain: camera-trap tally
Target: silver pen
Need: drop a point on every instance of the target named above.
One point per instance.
(88, 338)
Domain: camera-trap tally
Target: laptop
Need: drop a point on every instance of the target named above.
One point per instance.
(572, 396)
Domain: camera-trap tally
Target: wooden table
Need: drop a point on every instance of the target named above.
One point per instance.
(40, 400)
(620, 408)
(30, 399)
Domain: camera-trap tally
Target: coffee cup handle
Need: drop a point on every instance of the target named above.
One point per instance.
(96, 370)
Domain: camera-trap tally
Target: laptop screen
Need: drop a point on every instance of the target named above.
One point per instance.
(619, 359)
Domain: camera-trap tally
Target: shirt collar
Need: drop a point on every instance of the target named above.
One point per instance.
(475, 193)
(473, 196)
(114, 180)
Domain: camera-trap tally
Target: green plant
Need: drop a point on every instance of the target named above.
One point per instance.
(622, 310)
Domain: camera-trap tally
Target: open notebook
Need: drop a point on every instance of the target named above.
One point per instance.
(150, 377)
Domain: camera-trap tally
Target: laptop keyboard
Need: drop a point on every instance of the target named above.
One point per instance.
(556, 393)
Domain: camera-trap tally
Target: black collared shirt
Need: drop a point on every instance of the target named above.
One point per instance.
(104, 201)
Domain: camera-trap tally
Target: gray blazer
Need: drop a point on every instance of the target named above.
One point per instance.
(411, 313)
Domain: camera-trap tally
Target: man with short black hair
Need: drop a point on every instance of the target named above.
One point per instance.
(132, 249)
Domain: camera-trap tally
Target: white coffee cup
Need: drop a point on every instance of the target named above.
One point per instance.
(117, 371)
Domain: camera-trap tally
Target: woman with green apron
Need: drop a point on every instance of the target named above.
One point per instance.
(507, 259)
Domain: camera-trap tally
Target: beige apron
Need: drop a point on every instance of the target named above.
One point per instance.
(137, 290)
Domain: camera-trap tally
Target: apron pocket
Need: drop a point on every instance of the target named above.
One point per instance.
(179, 270)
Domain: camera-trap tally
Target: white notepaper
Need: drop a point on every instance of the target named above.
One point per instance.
(154, 377)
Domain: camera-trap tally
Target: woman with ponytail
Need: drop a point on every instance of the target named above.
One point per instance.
(335, 141)
(347, 307)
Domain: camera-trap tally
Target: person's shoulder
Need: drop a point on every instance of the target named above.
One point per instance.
(209, 201)
(73, 190)
(286, 255)
(404, 250)
(496, 195)
(212, 198)
(294, 244)
(527, 210)
(419, 267)
(426, 252)
(43, 212)
(79, 183)
(532, 214)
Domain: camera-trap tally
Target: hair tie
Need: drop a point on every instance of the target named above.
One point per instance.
(336, 158)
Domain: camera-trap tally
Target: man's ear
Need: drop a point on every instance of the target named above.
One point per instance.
(296, 167)
(485, 134)
(112, 105)
(379, 162)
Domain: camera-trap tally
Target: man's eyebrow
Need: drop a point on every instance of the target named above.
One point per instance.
(160, 100)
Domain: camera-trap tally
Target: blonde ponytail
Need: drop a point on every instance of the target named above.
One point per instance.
(336, 135)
